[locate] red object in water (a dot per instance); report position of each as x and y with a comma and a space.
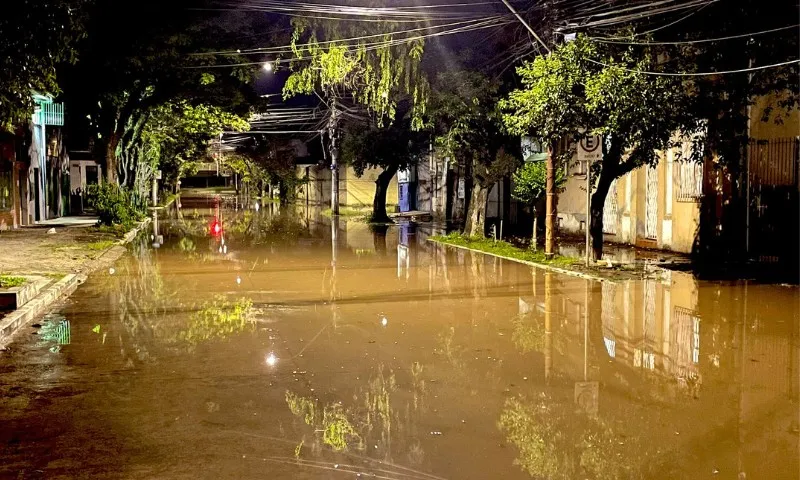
216, 228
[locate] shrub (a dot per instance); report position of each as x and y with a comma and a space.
115, 205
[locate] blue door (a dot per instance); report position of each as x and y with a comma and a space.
404, 197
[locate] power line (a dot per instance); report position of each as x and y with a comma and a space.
695, 12
704, 40
266, 132
489, 23
288, 48
695, 74
526, 25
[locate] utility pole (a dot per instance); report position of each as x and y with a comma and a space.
527, 26
550, 205
333, 134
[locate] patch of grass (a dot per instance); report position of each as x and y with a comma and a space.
118, 231
8, 281
504, 249
100, 245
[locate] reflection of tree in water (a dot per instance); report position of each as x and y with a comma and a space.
555, 441
218, 318
147, 308
284, 229
375, 422
528, 334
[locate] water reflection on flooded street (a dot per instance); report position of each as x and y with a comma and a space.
285, 345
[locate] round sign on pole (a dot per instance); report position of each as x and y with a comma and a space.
589, 148
590, 144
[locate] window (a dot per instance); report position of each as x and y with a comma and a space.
689, 177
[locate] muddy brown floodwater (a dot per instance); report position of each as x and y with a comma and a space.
290, 347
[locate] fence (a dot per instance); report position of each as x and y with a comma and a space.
773, 162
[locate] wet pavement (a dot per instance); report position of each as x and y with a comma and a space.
287, 346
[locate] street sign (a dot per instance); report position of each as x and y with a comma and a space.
590, 148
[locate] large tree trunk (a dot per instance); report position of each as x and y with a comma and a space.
597, 205
111, 158
379, 202
476, 214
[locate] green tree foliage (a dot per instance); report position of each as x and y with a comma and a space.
468, 127
35, 37
369, 63
177, 134
637, 114
364, 61
530, 182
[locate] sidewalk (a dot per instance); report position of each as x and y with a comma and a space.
31, 250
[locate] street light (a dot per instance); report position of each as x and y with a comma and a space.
267, 66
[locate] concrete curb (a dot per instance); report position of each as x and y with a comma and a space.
532, 264
39, 305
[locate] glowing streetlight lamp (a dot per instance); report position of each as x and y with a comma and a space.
267, 66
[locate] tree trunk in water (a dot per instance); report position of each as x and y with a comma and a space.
111, 159
597, 205
379, 202
476, 215
379, 238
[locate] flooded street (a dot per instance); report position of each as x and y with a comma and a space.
284, 346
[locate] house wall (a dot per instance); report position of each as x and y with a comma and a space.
357, 191
780, 124
677, 218
353, 191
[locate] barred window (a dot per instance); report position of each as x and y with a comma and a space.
689, 175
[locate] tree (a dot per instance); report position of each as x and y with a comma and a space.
637, 114
175, 135
35, 37
269, 160
755, 35
468, 127
154, 58
366, 62
390, 148
530, 186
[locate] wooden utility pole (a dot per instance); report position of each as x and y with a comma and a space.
549, 224
333, 133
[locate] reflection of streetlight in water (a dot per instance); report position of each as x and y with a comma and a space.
271, 359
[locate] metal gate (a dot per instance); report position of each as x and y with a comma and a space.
651, 203
610, 210
774, 196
